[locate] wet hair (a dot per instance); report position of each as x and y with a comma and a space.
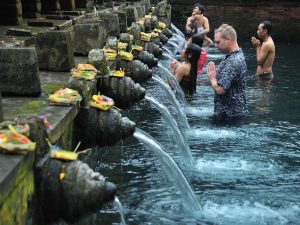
197, 39
267, 26
227, 31
193, 53
201, 7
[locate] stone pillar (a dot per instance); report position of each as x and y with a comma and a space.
163, 12
50, 5
10, 12
19, 72
1, 110
67, 5
131, 15
31, 8
112, 23
84, 3
88, 35
55, 50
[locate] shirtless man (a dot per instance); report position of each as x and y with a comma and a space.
201, 21
265, 50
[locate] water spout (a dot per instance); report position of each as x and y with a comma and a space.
178, 135
172, 170
173, 99
118, 204
168, 51
176, 30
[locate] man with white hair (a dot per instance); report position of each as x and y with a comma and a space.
228, 79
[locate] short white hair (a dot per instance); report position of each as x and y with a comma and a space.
227, 31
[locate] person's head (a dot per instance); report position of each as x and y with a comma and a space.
198, 9
264, 29
225, 38
197, 39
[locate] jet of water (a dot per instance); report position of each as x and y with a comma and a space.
118, 204
172, 99
172, 170
177, 134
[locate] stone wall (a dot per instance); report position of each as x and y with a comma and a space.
245, 16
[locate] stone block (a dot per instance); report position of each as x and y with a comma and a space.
123, 22
131, 14
19, 72
55, 50
67, 4
1, 110
112, 23
87, 37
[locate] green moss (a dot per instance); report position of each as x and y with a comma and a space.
32, 107
52, 87
14, 207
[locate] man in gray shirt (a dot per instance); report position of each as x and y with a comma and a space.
228, 79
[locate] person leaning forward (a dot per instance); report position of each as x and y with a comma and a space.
228, 80
265, 50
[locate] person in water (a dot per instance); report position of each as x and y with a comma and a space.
228, 80
186, 71
201, 22
198, 40
265, 50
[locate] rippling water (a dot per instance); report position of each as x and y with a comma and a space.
243, 175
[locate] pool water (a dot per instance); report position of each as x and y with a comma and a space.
246, 174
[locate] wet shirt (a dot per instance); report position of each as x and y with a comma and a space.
231, 76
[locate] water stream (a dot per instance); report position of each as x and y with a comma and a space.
179, 138
173, 172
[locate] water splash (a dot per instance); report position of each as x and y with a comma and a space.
172, 170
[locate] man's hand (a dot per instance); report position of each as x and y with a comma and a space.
211, 71
255, 42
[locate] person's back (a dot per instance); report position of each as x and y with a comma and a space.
198, 40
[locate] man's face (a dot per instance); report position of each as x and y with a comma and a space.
261, 32
221, 43
196, 11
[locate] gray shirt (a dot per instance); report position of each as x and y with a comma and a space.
231, 76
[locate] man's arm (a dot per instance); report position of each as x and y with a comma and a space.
212, 76
189, 21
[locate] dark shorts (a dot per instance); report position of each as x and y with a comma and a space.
226, 120
265, 75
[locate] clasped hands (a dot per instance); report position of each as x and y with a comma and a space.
255, 42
